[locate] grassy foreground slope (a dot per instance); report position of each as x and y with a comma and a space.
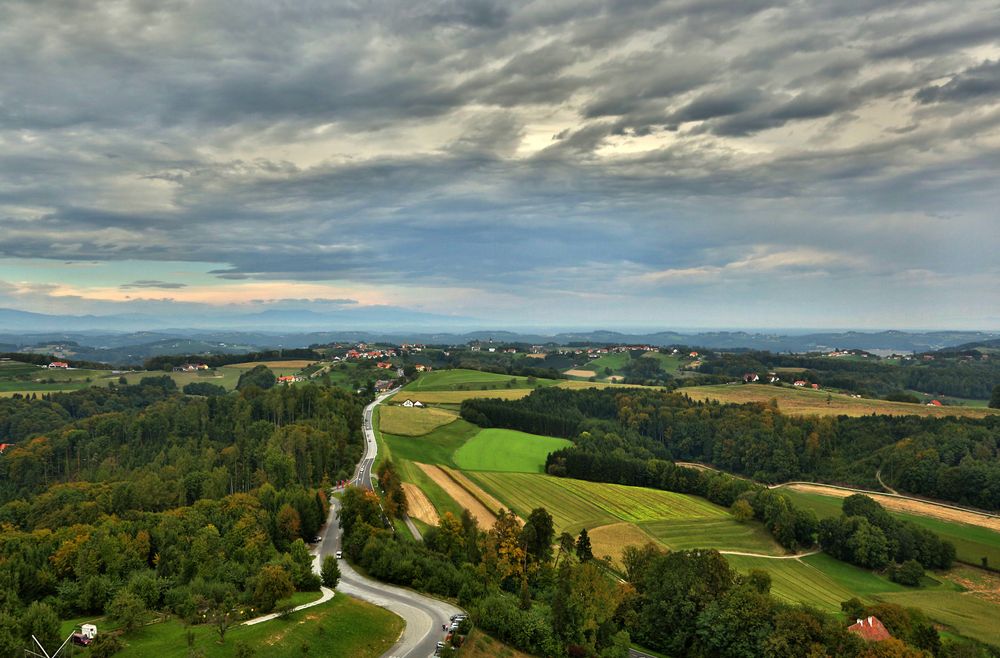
341, 627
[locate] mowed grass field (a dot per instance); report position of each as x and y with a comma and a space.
800, 401
816, 580
723, 532
969, 615
412, 421
972, 543
507, 450
460, 379
576, 504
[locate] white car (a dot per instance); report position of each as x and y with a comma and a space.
339, 554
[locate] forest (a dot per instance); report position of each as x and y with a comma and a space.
137, 500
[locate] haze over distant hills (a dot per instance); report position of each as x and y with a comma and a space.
116, 339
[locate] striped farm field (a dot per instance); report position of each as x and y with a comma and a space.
796, 582
722, 533
576, 504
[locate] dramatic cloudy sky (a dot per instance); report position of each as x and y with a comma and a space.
588, 163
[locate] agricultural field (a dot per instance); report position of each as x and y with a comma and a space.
343, 626
19, 377
796, 582
615, 361
611, 540
972, 542
722, 532
224, 376
824, 403
411, 421
456, 397
577, 504
969, 615
507, 450
470, 380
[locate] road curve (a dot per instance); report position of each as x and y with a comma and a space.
422, 614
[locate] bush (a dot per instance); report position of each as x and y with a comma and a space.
908, 573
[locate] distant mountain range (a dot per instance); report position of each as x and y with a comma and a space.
88, 338
360, 318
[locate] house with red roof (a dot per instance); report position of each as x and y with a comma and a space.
4, 446
59, 364
870, 630
935, 403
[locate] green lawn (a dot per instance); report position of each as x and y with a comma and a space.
507, 450
341, 627
972, 543
438, 447
720, 533
460, 379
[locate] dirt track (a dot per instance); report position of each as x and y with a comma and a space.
419, 507
460, 495
909, 506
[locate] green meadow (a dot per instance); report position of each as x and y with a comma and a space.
507, 450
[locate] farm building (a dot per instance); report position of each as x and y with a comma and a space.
59, 364
870, 630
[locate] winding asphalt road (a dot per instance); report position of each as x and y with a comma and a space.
423, 615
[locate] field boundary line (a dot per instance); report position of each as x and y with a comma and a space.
958, 508
772, 557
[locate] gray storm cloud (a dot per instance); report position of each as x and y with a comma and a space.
541, 150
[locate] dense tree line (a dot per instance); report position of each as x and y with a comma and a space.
168, 362
955, 459
959, 375
866, 535
135, 499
